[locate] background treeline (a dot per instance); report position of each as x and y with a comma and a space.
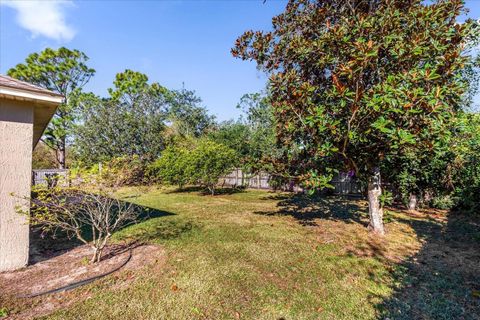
144, 133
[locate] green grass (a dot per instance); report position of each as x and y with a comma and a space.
242, 256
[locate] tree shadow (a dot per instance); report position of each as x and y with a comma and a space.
306, 209
159, 231
226, 191
44, 246
204, 191
441, 281
187, 189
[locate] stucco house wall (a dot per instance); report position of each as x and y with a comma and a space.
16, 135
25, 111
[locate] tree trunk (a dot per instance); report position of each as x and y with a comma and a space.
61, 154
375, 209
99, 255
95, 255
412, 202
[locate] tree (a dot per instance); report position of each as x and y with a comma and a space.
64, 71
188, 118
422, 176
470, 73
252, 136
130, 122
235, 135
43, 157
354, 81
259, 117
465, 168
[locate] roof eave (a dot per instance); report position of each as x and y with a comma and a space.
41, 98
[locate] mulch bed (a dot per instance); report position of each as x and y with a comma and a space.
67, 268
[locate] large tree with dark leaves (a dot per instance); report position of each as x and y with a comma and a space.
355, 80
64, 71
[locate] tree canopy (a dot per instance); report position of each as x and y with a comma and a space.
64, 71
355, 81
130, 122
188, 117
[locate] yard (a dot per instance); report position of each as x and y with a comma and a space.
264, 255
375, 99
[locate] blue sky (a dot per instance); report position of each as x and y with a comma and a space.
173, 42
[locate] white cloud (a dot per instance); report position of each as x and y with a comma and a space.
43, 18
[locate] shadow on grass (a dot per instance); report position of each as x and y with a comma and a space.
45, 246
442, 281
306, 209
157, 230
204, 191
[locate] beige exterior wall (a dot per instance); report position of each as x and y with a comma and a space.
16, 135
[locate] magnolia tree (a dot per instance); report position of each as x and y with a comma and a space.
355, 81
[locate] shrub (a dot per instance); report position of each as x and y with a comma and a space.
92, 218
120, 171
466, 167
203, 165
171, 168
208, 162
124, 171
443, 202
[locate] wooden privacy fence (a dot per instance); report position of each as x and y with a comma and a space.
343, 183
50, 177
346, 184
238, 178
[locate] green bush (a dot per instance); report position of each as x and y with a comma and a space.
444, 202
208, 162
203, 164
119, 171
466, 166
172, 167
467, 198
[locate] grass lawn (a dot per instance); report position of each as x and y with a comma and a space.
263, 255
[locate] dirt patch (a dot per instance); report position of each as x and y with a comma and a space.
66, 269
